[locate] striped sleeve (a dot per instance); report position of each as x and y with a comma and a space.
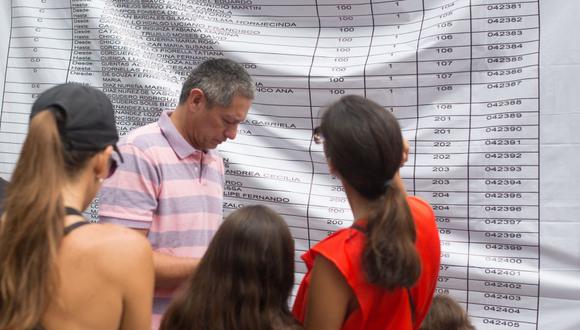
129, 197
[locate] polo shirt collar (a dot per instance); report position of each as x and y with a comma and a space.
177, 142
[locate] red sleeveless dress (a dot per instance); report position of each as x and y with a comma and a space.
379, 308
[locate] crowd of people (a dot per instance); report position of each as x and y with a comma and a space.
161, 255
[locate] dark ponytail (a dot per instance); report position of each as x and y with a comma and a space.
363, 142
390, 259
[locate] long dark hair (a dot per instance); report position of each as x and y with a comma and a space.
365, 145
244, 279
32, 225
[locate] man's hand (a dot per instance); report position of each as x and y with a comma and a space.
170, 271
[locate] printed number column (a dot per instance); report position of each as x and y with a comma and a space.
443, 132
337, 70
504, 176
391, 70
38, 58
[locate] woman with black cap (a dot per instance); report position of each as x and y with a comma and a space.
381, 272
57, 270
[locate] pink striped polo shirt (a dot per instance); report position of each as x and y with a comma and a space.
169, 187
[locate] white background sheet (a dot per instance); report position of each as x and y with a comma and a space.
485, 91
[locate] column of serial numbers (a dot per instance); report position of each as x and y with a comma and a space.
504, 160
444, 102
38, 58
339, 65
391, 71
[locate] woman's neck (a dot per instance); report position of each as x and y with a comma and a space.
76, 193
360, 206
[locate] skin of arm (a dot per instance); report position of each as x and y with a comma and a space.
329, 297
170, 271
134, 270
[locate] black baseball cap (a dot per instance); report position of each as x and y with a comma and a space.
89, 118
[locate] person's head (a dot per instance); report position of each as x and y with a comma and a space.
244, 279
364, 148
446, 314
216, 97
70, 139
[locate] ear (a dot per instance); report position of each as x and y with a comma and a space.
196, 100
101, 162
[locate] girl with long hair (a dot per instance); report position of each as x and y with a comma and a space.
57, 270
382, 271
243, 281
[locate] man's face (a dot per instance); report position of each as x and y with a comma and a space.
217, 124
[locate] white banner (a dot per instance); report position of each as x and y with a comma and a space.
484, 91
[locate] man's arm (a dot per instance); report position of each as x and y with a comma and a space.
170, 271
130, 198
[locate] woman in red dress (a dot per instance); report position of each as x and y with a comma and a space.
381, 272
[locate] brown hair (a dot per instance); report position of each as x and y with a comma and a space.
365, 145
243, 281
33, 222
446, 314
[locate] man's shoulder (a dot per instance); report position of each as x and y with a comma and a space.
144, 137
141, 132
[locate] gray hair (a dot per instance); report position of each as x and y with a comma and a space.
220, 80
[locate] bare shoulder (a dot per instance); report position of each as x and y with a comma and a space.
112, 248
109, 237
124, 236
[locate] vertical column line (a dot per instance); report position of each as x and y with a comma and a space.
369, 52
468, 215
539, 164
418, 103
312, 124
6, 68
72, 38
